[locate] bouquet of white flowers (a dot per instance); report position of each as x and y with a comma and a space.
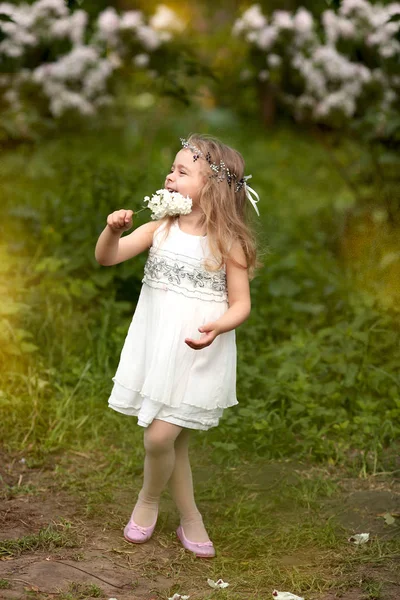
164, 203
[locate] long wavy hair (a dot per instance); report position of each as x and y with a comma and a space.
225, 212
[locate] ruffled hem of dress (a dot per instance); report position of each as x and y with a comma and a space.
134, 412
166, 404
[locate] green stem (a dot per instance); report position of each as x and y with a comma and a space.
136, 212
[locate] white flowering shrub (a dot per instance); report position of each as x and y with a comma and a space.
53, 61
329, 71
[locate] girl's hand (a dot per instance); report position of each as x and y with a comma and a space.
211, 330
120, 220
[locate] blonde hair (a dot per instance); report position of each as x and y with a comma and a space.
225, 212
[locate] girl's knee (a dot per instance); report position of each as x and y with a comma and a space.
160, 436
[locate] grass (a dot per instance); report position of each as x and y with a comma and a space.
12, 491
79, 591
58, 535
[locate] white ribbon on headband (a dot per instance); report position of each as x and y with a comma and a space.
250, 192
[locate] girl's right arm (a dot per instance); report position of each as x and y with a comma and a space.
111, 249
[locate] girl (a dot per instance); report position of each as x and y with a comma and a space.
177, 369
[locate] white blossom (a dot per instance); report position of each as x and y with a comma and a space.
282, 19
141, 60
340, 100
11, 97
149, 37
273, 60
164, 203
108, 23
336, 26
358, 7
72, 26
251, 36
74, 64
60, 28
67, 99
335, 65
166, 19
303, 20
217, 584
79, 20
390, 49
10, 49
266, 37
17, 32
359, 538
165, 36
44, 8
95, 81
285, 596
252, 18
131, 19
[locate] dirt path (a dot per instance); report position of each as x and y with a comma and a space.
61, 552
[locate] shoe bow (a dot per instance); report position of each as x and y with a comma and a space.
143, 530
204, 543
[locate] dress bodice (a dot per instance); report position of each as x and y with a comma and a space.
176, 264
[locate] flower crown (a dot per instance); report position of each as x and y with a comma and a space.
222, 172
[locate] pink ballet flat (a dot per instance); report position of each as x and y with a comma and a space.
136, 533
201, 549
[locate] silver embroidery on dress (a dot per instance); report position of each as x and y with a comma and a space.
166, 269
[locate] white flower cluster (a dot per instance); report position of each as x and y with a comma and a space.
32, 24
256, 29
334, 85
80, 77
165, 203
82, 68
110, 26
358, 19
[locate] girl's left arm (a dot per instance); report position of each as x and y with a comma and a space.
237, 280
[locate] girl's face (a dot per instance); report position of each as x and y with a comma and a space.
186, 176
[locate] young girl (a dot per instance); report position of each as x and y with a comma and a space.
177, 369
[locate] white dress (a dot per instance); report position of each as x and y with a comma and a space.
159, 376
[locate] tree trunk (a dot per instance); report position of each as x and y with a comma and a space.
267, 99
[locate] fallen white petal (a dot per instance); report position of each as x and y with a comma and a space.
179, 597
285, 596
359, 538
217, 584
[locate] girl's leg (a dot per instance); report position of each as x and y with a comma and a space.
159, 438
181, 488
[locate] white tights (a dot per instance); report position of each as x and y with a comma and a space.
167, 462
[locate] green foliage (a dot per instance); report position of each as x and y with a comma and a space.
4, 584
317, 361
